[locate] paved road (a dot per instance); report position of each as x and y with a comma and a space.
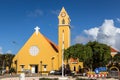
37, 78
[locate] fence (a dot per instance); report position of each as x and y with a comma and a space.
114, 74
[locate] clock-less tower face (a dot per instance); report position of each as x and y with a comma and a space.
34, 50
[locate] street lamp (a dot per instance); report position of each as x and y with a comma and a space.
41, 67
52, 62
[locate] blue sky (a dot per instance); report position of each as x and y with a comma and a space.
18, 18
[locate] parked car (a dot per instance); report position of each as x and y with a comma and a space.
55, 72
3, 71
52, 72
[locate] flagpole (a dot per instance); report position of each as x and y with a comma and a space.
63, 53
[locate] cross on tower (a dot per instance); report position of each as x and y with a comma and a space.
36, 30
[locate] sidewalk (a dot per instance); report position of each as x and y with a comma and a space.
37, 78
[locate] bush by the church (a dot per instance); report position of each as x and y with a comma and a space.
48, 79
84, 79
12, 70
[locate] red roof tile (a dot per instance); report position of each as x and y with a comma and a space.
55, 47
72, 60
113, 50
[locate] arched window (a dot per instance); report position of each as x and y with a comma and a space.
74, 68
63, 21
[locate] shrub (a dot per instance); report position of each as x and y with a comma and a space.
12, 70
48, 79
84, 79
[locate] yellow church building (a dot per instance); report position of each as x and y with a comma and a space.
41, 54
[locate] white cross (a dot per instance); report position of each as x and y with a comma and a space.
37, 29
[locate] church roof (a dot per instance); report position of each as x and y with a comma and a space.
54, 46
73, 60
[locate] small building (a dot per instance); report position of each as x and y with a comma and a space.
113, 51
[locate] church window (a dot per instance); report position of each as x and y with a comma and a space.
74, 68
45, 67
63, 21
22, 67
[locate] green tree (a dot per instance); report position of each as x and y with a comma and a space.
100, 54
92, 54
6, 60
116, 58
74, 51
1, 61
87, 57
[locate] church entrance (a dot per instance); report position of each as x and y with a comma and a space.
34, 68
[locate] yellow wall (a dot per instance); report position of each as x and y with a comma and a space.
66, 40
46, 52
63, 33
76, 65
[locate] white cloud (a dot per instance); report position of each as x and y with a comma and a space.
35, 13
106, 33
56, 12
81, 39
92, 32
1, 50
118, 19
9, 51
71, 26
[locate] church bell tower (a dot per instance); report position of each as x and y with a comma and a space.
63, 33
